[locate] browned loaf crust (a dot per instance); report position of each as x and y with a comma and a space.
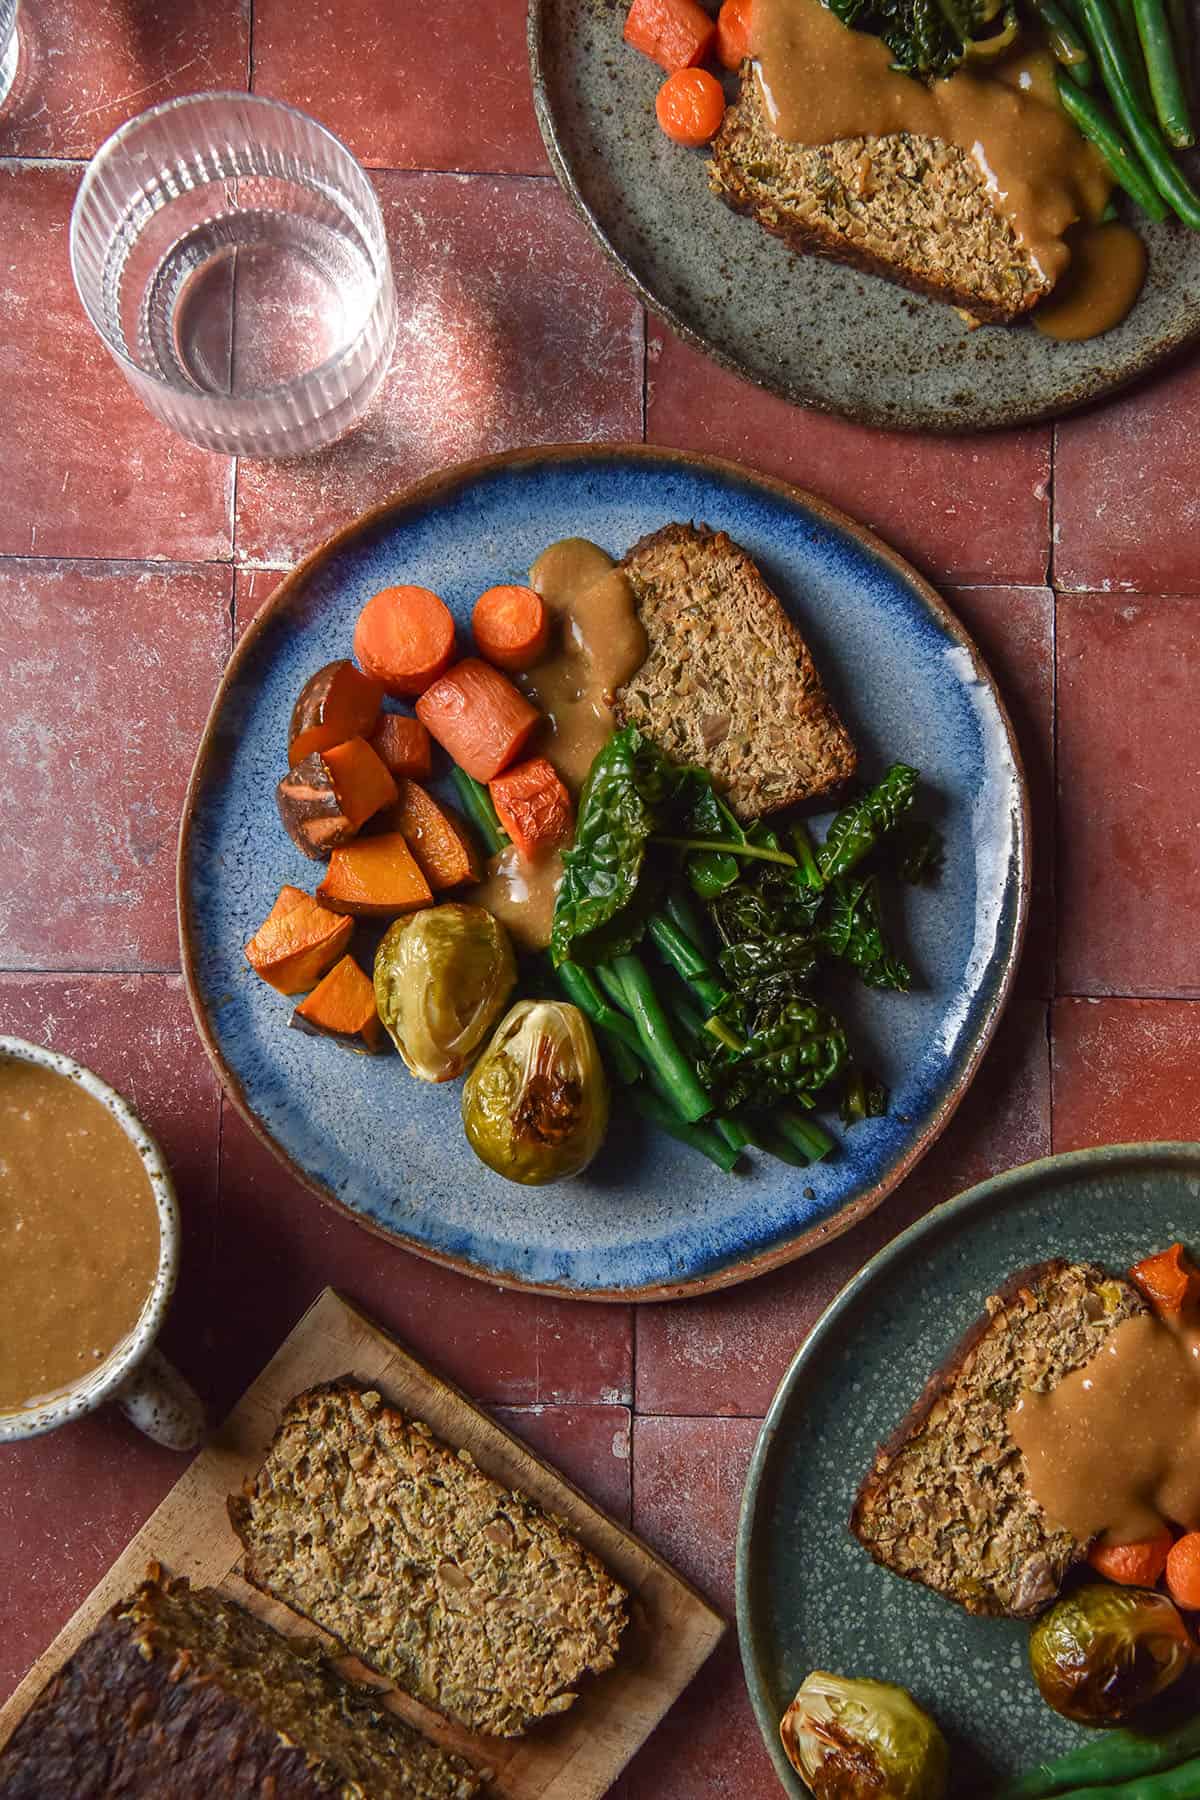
728, 683
946, 1502
179, 1694
913, 209
464, 1593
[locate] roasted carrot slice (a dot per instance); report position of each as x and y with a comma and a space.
533, 806
297, 942
374, 877
733, 33
690, 106
1133, 1565
478, 717
402, 745
437, 838
511, 626
404, 638
342, 1007
675, 33
336, 703
1170, 1281
1183, 1572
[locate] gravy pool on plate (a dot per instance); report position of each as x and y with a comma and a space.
79, 1236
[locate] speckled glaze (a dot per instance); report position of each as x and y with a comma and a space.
163, 1422
649, 1218
810, 330
808, 1596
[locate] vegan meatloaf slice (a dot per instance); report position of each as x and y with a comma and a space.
946, 1501
466, 1594
728, 683
179, 1694
913, 209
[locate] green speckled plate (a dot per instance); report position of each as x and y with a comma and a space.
813, 331
807, 1596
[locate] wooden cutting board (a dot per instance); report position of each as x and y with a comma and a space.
575, 1757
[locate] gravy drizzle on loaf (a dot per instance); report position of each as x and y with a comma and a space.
823, 83
947, 1502
466, 1594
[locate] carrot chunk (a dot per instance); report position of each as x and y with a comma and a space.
1133, 1565
511, 626
404, 638
478, 717
690, 106
342, 1007
297, 942
733, 33
676, 34
402, 745
437, 838
533, 806
374, 877
1183, 1572
1170, 1281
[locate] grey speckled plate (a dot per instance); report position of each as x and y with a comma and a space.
807, 1596
812, 331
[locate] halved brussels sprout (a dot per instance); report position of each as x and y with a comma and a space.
535, 1106
442, 976
1104, 1651
863, 1740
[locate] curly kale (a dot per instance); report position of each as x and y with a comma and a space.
852, 929
925, 37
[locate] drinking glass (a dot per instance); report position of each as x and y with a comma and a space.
9, 47
231, 253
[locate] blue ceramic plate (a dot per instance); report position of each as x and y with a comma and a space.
649, 1219
808, 1597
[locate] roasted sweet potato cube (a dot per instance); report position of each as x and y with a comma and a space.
375, 877
297, 942
336, 703
437, 837
342, 1007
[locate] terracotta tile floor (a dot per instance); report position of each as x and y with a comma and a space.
128, 562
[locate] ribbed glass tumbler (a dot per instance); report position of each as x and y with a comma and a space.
231, 253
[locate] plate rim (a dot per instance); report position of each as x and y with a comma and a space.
424, 491
996, 1189
1094, 390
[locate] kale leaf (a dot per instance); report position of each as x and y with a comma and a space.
858, 827
852, 929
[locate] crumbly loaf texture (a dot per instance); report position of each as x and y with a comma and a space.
467, 1595
946, 1502
179, 1694
729, 683
913, 209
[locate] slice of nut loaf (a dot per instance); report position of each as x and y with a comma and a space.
179, 1694
467, 1595
913, 209
728, 683
946, 1502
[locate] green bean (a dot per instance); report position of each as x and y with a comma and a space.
477, 804
1096, 125
1135, 68
732, 1130
684, 957
1117, 1756
655, 1032
1180, 1783
625, 1047
1065, 41
1143, 134
653, 1107
1166, 84
803, 1133
685, 916
613, 986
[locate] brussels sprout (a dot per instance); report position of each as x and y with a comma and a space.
863, 1740
535, 1105
1104, 1651
441, 979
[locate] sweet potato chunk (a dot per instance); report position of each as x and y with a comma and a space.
375, 877
297, 942
437, 838
336, 703
343, 1008
403, 745
326, 798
